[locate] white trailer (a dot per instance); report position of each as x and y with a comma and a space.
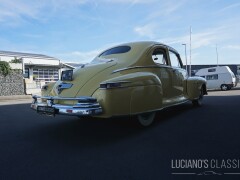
219, 77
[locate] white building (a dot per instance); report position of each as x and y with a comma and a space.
37, 69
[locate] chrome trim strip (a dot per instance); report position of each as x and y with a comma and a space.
135, 67
112, 82
82, 98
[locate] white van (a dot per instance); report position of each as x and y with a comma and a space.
220, 77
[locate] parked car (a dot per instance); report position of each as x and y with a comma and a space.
136, 78
219, 77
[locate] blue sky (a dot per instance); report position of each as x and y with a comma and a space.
77, 30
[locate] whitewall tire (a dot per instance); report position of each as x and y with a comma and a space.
146, 119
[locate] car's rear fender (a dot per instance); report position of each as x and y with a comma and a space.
133, 93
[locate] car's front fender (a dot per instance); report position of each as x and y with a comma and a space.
194, 85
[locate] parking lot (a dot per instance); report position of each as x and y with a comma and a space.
41, 147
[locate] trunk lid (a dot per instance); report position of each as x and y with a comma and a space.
81, 77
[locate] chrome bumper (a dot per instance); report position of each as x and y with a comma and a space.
85, 106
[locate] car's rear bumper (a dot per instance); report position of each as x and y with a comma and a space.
85, 106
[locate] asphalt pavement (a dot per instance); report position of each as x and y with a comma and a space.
34, 146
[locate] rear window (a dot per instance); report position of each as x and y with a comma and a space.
116, 50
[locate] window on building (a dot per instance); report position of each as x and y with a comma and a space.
46, 75
238, 70
212, 77
26, 73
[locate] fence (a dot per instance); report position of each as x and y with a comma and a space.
12, 84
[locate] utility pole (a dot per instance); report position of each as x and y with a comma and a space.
185, 55
217, 54
190, 67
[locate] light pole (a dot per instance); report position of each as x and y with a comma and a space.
190, 49
217, 54
185, 55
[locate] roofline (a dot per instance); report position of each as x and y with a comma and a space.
43, 65
26, 55
151, 43
65, 64
167, 46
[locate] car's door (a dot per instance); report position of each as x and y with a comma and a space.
178, 75
163, 70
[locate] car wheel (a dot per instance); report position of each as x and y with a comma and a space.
198, 102
224, 87
146, 119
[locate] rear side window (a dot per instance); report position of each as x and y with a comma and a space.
159, 56
212, 77
116, 50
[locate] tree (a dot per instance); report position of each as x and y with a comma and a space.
5, 68
16, 60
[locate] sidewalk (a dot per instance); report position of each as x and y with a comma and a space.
15, 99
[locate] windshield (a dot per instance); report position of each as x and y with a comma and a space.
232, 74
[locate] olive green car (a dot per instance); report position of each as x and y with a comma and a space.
136, 78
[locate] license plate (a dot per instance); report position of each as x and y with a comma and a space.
46, 109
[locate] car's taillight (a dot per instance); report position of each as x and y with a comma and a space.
111, 85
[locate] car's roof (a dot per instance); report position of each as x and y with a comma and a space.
148, 44
136, 54
141, 46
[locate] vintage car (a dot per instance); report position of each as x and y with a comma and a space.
136, 78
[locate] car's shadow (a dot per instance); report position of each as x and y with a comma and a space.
92, 132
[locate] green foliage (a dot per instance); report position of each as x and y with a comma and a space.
5, 68
16, 60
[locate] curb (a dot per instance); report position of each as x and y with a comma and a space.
14, 97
